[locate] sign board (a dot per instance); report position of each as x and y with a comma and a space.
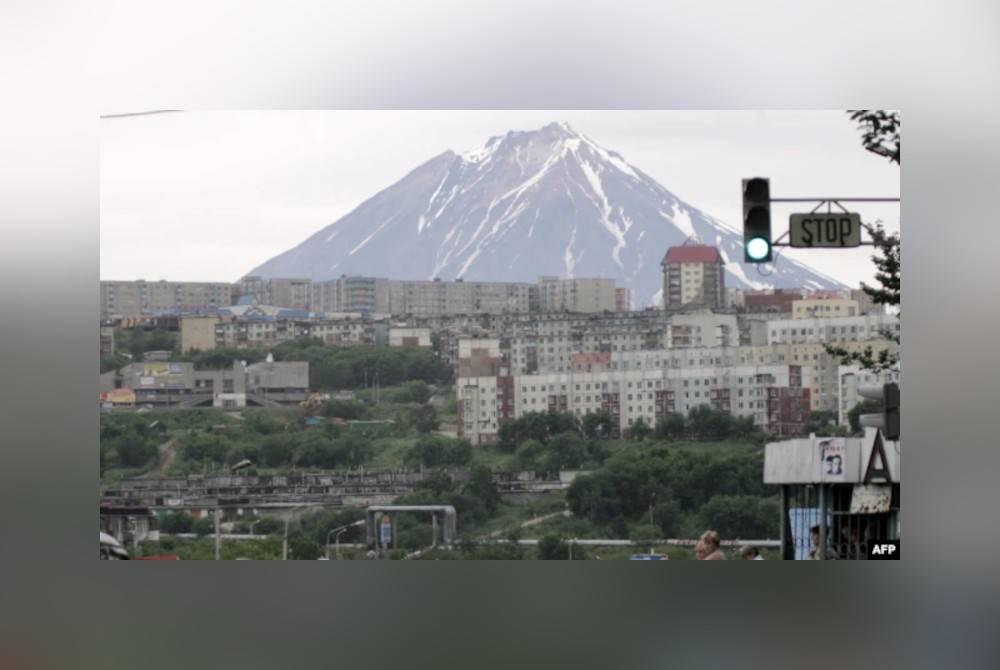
871, 499
825, 230
833, 454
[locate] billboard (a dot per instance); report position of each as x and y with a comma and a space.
119, 397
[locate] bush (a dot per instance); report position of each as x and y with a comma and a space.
203, 527
742, 517
176, 522
436, 450
552, 548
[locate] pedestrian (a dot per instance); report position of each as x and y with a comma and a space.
709, 547
750, 553
814, 553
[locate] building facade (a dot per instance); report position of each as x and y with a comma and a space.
775, 396
693, 276
123, 299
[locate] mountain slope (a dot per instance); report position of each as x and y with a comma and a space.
544, 202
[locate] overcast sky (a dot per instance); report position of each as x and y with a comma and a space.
209, 195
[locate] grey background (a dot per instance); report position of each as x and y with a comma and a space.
937, 63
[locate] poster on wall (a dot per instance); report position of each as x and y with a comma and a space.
833, 452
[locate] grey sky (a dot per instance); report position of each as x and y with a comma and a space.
209, 195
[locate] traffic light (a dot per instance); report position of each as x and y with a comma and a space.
757, 220
888, 420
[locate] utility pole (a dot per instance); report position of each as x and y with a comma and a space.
218, 533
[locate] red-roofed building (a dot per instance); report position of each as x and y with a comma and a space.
693, 276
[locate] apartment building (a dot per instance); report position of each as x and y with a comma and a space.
585, 296
280, 292
834, 329
770, 301
775, 396
107, 341
412, 338
368, 295
430, 298
623, 299
693, 276
811, 308
124, 299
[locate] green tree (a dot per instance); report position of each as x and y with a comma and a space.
640, 430
742, 517
671, 427
600, 424
880, 135
204, 526
552, 548
482, 487
176, 522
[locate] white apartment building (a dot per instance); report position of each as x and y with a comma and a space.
410, 337
828, 330
749, 390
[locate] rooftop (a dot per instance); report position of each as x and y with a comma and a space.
692, 254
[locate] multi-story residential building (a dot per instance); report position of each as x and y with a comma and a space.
735, 298
124, 299
479, 357
703, 329
265, 325
432, 298
865, 302
623, 299
776, 396
412, 338
368, 295
809, 308
693, 276
585, 296
827, 330
280, 292
771, 301
107, 341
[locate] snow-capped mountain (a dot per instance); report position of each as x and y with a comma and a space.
527, 204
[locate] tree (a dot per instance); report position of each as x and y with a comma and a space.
671, 427
742, 517
176, 522
203, 527
881, 137
552, 548
880, 131
640, 430
482, 487
598, 424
